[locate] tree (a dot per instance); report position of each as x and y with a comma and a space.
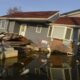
13, 10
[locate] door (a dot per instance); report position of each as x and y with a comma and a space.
22, 30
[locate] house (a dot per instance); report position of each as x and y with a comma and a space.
74, 13
65, 34
43, 28
36, 26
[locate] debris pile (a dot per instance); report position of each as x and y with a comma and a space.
20, 44
14, 39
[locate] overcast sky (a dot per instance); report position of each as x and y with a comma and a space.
39, 5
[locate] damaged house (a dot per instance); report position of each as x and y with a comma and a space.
36, 26
43, 28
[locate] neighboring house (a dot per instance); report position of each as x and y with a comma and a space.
74, 13
64, 33
33, 25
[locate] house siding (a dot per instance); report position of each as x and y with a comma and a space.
58, 31
31, 32
37, 37
11, 26
16, 28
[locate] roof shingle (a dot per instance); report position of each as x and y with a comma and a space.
68, 20
40, 14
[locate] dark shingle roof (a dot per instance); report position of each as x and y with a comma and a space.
40, 14
68, 20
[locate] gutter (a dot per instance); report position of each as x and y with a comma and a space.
23, 18
73, 26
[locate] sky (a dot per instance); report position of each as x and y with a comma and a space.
39, 5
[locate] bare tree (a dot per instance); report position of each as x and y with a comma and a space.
13, 10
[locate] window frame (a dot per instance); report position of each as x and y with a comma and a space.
2, 24
70, 39
58, 26
38, 28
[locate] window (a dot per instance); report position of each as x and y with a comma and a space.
68, 33
23, 29
2, 24
49, 31
58, 32
38, 29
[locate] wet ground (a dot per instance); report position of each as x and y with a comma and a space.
12, 68
26, 77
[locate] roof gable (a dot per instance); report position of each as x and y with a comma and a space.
74, 13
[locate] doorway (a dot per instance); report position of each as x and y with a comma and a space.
23, 29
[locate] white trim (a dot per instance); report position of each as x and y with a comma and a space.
24, 18
52, 32
64, 33
38, 29
49, 30
70, 34
23, 32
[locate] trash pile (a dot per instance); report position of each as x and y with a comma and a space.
27, 52
19, 46
7, 43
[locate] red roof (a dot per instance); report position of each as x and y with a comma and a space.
68, 20
40, 14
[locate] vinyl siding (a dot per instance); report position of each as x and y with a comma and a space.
37, 37
32, 34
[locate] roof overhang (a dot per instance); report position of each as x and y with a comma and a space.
27, 19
